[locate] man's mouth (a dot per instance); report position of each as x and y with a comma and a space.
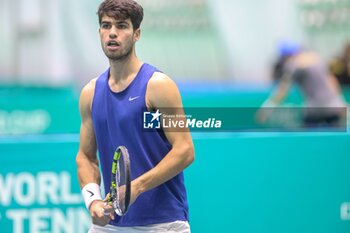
113, 44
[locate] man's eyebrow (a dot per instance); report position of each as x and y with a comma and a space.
117, 22
122, 21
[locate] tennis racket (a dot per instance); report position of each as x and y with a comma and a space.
120, 187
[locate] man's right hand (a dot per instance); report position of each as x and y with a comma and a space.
101, 213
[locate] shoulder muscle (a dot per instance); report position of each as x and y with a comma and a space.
162, 92
86, 96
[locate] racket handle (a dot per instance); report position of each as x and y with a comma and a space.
108, 212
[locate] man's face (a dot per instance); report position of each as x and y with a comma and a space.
117, 37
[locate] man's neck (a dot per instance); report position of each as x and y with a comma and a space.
123, 69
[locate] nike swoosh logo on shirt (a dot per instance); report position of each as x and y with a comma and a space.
90, 192
133, 98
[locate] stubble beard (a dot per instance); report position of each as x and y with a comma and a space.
120, 56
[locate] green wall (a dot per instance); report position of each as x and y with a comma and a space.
277, 182
239, 182
38, 110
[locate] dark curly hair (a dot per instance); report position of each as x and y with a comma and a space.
122, 9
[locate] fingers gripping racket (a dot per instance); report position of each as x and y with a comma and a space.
120, 182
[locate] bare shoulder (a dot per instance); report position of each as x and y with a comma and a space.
87, 94
159, 79
90, 86
162, 91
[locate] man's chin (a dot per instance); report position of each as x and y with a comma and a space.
118, 57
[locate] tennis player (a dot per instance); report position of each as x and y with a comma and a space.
324, 103
110, 107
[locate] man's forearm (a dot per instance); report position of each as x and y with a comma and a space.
171, 165
88, 170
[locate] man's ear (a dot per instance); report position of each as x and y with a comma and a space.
137, 34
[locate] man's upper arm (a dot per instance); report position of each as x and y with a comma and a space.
87, 135
163, 94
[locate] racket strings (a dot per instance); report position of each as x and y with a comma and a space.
120, 188
118, 199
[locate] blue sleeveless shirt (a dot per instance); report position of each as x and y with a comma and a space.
118, 120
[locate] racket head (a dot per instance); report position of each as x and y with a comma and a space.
120, 189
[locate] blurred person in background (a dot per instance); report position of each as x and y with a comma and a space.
324, 103
340, 66
111, 108
277, 71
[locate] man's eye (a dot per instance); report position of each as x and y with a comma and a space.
105, 26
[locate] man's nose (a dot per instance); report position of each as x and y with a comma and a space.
113, 32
